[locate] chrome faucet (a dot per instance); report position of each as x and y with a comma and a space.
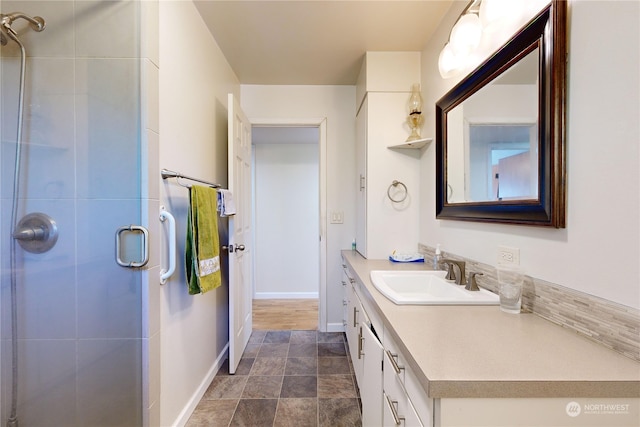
472, 285
460, 279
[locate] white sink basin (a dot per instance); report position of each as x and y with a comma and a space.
425, 287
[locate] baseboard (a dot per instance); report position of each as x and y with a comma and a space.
184, 415
286, 295
335, 327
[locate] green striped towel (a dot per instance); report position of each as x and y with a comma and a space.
202, 251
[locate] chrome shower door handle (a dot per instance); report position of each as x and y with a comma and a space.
145, 245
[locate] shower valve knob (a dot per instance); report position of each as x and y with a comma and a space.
30, 234
36, 232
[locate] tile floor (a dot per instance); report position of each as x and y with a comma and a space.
285, 378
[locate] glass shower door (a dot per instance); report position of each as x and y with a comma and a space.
78, 313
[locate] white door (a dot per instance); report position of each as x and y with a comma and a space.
240, 296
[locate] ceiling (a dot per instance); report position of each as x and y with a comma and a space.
305, 42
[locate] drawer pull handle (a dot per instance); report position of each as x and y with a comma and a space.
360, 341
393, 358
355, 317
392, 405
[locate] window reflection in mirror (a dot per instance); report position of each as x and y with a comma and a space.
492, 149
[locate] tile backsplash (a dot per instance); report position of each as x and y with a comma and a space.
610, 324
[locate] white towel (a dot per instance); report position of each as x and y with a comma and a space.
226, 205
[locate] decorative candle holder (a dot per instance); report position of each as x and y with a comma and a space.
415, 119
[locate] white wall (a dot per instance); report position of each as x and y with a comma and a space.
337, 105
598, 252
286, 220
194, 81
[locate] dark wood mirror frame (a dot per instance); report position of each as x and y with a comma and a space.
547, 31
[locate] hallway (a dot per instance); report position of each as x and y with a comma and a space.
285, 378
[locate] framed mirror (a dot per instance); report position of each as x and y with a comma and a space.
500, 153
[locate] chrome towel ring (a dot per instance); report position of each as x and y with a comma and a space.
397, 199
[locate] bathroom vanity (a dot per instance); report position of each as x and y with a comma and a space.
435, 365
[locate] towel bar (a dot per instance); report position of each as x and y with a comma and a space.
166, 173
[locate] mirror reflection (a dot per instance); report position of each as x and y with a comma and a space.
492, 138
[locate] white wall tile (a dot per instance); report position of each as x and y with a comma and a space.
150, 96
108, 128
109, 296
150, 31
48, 383
105, 369
107, 29
150, 167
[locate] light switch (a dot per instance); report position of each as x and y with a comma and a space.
337, 217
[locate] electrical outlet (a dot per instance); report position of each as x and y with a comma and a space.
507, 255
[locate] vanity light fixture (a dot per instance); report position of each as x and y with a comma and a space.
483, 27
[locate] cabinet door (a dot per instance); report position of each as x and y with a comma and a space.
371, 390
361, 170
354, 314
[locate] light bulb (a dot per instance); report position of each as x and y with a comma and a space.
465, 35
497, 14
447, 62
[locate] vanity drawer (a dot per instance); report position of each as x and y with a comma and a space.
398, 376
346, 286
398, 411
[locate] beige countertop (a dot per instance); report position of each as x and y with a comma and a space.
479, 351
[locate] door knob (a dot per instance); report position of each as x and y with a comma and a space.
231, 248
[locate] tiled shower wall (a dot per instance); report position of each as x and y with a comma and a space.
610, 324
88, 336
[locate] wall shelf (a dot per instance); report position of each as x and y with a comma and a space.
417, 144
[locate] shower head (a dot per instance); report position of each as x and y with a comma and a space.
6, 32
35, 22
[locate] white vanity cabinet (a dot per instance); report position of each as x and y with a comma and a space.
354, 321
363, 330
346, 291
563, 373
389, 390
406, 403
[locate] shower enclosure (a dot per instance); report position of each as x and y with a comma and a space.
77, 314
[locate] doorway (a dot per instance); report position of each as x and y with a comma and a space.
288, 205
